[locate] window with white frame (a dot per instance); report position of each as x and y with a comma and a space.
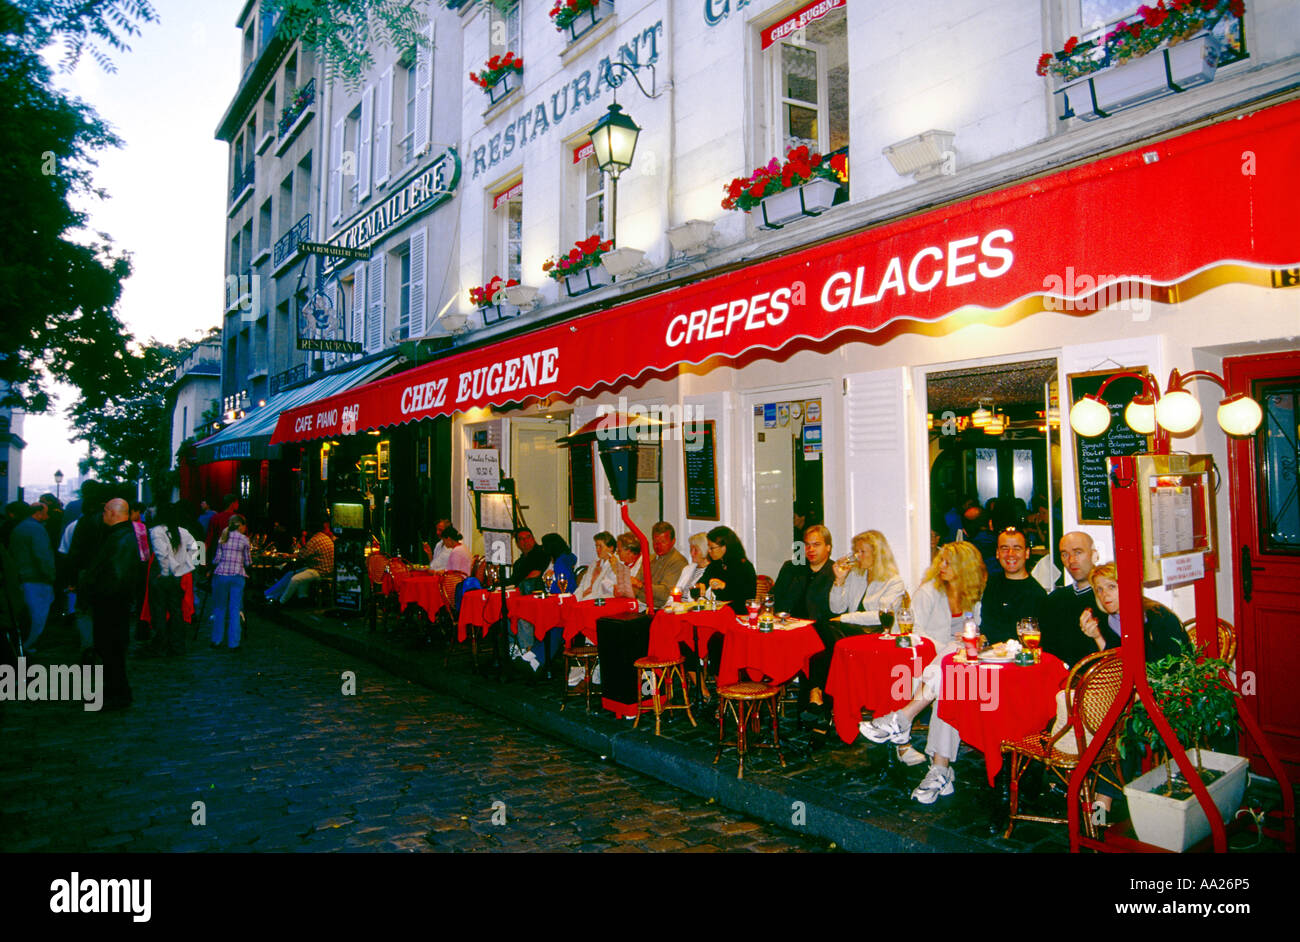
589, 192
807, 57
1094, 20
410, 98
404, 293
503, 31
505, 227
351, 145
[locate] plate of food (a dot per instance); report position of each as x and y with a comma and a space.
1000, 653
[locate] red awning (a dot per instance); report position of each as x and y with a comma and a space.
1220, 195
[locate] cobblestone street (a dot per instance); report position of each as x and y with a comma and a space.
283, 760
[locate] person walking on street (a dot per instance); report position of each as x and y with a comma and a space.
171, 562
109, 583
234, 555
34, 559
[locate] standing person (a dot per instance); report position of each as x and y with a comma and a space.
76, 507
141, 531
234, 555
171, 563
206, 513
950, 588
217, 523
33, 558
1010, 594
109, 584
1058, 614
730, 575
83, 546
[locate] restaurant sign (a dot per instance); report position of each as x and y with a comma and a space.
997, 254
431, 187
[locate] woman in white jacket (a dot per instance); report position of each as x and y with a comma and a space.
951, 587
871, 582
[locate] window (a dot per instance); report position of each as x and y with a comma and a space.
410, 96
503, 31
269, 116
589, 191
508, 230
264, 217
351, 144
809, 80
1095, 19
404, 293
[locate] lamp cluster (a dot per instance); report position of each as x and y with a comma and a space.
1176, 412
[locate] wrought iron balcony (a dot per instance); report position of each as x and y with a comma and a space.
286, 247
243, 181
302, 99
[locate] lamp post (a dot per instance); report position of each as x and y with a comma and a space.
613, 139
58, 485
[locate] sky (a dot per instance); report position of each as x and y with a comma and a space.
166, 186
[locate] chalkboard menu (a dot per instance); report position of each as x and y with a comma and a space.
1090, 454
699, 457
582, 483
350, 578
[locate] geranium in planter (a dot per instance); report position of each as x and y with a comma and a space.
1200, 705
805, 185
580, 269
487, 298
577, 17
499, 76
1168, 49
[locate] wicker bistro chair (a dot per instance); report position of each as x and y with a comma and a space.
1227, 638
445, 620
587, 656
376, 566
1090, 689
660, 673
744, 701
762, 586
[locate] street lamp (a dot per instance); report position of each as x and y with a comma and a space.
613, 139
58, 484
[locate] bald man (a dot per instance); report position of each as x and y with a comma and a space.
1059, 613
111, 583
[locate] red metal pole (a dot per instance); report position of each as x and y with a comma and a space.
645, 558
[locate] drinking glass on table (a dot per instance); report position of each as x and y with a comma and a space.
752, 607
1030, 635
905, 618
887, 621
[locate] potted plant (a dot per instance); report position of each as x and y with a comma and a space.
578, 17
487, 299
1200, 705
805, 185
299, 102
580, 267
1169, 49
499, 76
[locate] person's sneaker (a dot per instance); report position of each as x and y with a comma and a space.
938, 781
910, 756
576, 675
531, 659
886, 729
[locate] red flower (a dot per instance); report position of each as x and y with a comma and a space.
575, 255
735, 188
757, 189
1237, 8
548, 265
1043, 61
1135, 29
840, 164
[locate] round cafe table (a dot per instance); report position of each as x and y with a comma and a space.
419, 587
543, 613
872, 672
778, 654
671, 628
579, 618
989, 703
480, 608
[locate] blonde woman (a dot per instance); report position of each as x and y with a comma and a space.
951, 587
868, 581
233, 557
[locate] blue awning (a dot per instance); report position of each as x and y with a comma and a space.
250, 436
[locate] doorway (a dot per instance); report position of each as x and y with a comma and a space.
788, 476
541, 473
1262, 474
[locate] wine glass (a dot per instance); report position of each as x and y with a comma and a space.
905, 618
564, 583
1030, 635
887, 621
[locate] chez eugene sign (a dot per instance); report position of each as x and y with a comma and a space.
985, 253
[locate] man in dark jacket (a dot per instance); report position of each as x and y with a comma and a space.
30, 546
111, 583
804, 591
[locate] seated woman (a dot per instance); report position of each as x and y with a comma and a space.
599, 579
951, 587
870, 583
693, 572
456, 558
627, 565
729, 575
1163, 630
559, 575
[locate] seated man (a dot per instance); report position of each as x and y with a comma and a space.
666, 566
1058, 614
532, 561
1010, 595
804, 590
316, 562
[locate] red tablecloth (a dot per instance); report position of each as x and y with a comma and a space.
778, 654
869, 671
420, 587
669, 628
481, 607
543, 613
580, 617
989, 703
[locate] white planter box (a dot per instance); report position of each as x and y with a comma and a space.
811, 199
586, 21
506, 84
1162, 72
1177, 825
589, 279
621, 261
521, 296
690, 236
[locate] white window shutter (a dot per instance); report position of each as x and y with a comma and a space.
336, 172
375, 304
332, 293
877, 460
357, 322
423, 91
384, 126
363, 145
419, 247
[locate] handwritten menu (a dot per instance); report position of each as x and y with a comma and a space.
1091, 454
350, 578
582, 484
699, 458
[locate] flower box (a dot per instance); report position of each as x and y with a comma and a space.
1177, 824
690, 236
621, 261
1162, 72
588, 279
522, 296
503, 86
811, 199
495, 313
576, 25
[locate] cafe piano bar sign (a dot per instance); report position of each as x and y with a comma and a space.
431, 187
